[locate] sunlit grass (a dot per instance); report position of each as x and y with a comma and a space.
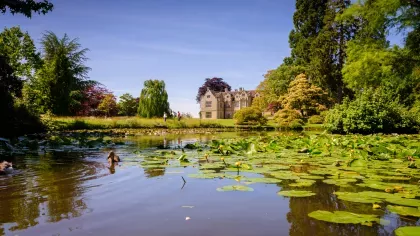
74, 123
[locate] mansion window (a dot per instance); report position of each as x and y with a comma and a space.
208, 103
208, 114
237, 104
208, 96
227, 105
243, 103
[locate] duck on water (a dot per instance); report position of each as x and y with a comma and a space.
6, 167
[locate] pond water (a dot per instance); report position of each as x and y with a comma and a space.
56, 192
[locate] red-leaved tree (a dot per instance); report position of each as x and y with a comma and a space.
215, 84
92, 97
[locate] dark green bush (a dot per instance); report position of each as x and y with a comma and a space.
316, 119
249, 115
373, 111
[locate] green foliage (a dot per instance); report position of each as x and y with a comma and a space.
304, 97
153, 99
316, 119
58, 85
20, 49
344, 217
289, 118
308, 21
127, 105
108, 105
408, 231
249, 115
372, 111
26, 7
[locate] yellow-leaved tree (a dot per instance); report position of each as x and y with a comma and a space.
303, 99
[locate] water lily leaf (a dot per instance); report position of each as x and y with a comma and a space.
339, 182
212, 166
311, 177
205, 175
303, 183
235, 188
363, 197
296, 193
285, 175
263, 180
344, 217
404, 211
404, 201
357, 163
408, 231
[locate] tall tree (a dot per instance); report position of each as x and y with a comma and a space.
308, 21
328, 50
153, 100
215, 84
20, 49
58, 85
127, 105
25, 7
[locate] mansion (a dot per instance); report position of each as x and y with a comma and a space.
222, 105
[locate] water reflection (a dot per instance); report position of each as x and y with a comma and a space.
45, 188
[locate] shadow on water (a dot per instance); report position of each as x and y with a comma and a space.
75, 193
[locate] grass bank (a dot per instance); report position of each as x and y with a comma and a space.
102, 123
90, 123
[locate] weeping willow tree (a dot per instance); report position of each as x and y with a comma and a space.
153, 99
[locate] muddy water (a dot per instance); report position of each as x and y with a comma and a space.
75, 193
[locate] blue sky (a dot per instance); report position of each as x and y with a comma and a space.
179, 41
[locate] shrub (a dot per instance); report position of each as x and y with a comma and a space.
373, 111
286, 116
316, 119
249, 115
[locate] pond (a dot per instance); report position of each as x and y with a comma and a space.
216, 184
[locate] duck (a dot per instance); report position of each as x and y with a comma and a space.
6, 167
113, 158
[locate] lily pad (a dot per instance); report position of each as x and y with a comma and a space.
408, 231
311, 177
363, 197
339, 182
235, 188
404, 201
303, 183
205, 175
344, 217
404, 211
263, 180
296, 193
285, 175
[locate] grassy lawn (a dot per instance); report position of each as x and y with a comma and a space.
91, 123
77, 123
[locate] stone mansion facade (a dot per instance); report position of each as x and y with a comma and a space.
222, 105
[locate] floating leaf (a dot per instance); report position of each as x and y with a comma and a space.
303, 183
235, 188
363, 197
404, 211
263, 180
311, 177
408, 231
296, 193
344, 217
404, 201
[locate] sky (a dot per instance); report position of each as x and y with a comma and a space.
179, 41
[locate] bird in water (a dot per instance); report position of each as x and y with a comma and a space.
6, 167
113, 158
